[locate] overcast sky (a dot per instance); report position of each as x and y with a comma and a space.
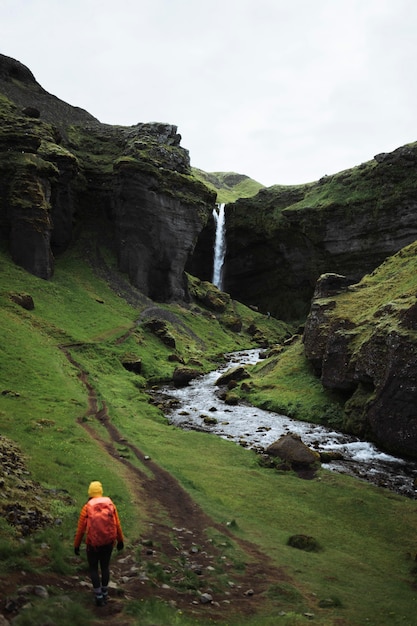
284, 91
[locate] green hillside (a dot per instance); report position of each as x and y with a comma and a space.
70, 412
228, 185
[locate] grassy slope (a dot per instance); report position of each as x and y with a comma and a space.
367, 534
276, 382
228, 186
364, 189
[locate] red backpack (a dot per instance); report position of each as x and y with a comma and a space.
101, 522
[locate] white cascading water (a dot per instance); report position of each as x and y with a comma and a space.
219, 246
257, 428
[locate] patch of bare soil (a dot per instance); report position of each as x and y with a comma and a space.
177, 559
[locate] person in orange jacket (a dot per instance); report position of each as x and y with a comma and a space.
99, 520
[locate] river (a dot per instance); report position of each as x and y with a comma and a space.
257, 429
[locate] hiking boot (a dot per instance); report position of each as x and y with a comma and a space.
99, 600
105, 597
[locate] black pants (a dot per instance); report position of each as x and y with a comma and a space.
99, 557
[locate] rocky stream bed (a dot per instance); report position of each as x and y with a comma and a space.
200, 406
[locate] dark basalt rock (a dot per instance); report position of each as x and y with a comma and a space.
63, 172
24, 300
183, 375
304, 542
233, 374
134, 366
160, 329
372, 364
155, 234
290, 448
280, 241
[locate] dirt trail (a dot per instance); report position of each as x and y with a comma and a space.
174, 543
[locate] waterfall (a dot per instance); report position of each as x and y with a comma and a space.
219, 246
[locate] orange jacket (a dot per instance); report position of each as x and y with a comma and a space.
82, 526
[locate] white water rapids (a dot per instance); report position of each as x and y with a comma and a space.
256, 428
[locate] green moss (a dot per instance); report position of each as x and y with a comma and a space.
228, 186
53, 152
286, 384
365, 188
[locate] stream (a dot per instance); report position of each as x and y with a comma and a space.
257, 429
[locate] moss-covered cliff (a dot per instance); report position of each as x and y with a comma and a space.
354, 368
281, 240
63, 173
362, 342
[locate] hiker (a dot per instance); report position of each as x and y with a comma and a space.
99, 518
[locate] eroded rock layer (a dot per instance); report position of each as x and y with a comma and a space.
63, 173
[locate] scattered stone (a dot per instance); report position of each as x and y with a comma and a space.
329, 456
26, 503
11, 605
304, 542
147, 542
329, 603
174, 358
183, 375
36, 590
24, 300
160, 329
231, 399
9, 392
235, 373
210, 421
206, 598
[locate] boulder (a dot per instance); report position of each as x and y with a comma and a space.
232, 374
24, 300
304, 542
183, 375
331, 284
290, 448
160, 329
134, 366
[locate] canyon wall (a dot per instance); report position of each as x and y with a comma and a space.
63, 173
280, 241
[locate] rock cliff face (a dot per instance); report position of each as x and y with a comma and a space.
155, 232
63, 173
361, 341
281, 240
